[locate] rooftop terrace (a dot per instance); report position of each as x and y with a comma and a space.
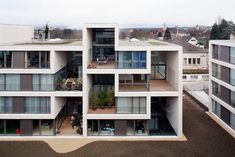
137, 42
72, 42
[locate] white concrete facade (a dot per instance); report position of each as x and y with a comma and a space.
58, 98
15, 33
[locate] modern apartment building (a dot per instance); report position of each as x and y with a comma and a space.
98, 87
222, 83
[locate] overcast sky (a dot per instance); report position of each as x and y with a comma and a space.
125, 12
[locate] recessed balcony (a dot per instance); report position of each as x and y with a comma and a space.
160, 85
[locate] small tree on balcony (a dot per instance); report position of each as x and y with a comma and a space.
95, 100
110, 97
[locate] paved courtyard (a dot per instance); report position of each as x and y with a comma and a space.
205, 139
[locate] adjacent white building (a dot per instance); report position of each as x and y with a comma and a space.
222, 90
98, 87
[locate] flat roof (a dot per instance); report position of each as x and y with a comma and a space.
62, 42
150, 42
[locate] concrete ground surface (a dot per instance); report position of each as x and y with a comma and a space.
205, 138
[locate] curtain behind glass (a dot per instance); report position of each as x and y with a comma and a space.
2, 82
32, 105
36, 82
2, 103
8, 104
45, 105
47, 82
142, 105
232, 120
13, 82
124, 105
136, 106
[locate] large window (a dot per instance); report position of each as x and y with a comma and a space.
2, 127
232, 55
100, 127
93, 127
158, 65
216, 70
232, 120
38, 59
37, 105
47, 127
107, 127
131, 60
6, 105
232, 99
136, 105
216, 108
13, 127
5, 59
44, 82
10, 82
232, 77
141, 127
215, 51
216, 89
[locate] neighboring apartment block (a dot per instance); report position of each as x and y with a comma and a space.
222, 83
100, 86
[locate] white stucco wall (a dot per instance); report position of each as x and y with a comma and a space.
15, 33
172, 113
172, 71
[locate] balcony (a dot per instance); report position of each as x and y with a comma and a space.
133, 82
116, 110
135, 87
160, 85
109, 64
102, 110
69, 84
120, 105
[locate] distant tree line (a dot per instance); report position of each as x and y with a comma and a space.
65, 33
222, 30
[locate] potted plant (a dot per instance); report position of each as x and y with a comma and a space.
76, 122
79, 83
102, 95
79, 130
110, 97
95, 101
